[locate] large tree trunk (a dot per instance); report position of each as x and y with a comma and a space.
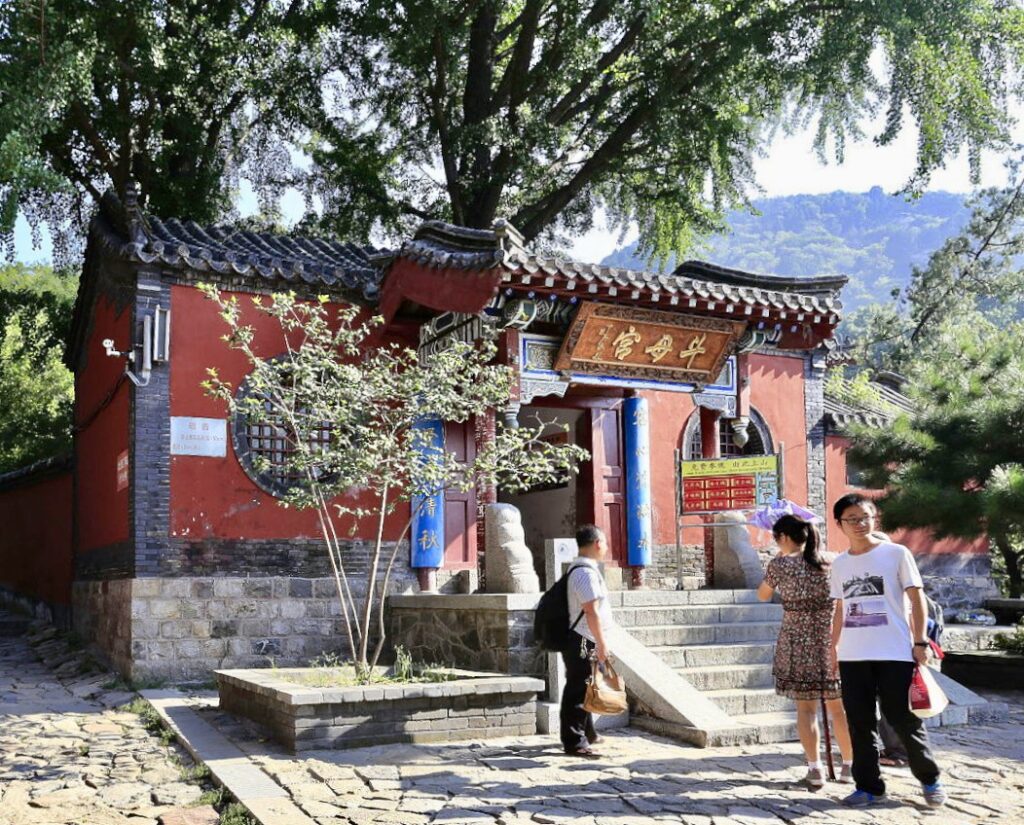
1012, 559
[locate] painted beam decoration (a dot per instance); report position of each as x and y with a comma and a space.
606, 339
716, 485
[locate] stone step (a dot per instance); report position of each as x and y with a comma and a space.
642, 598
722, 677
777, 726
745, 701
716, 654
724, 633
697, 614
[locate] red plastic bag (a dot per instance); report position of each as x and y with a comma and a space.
925, 696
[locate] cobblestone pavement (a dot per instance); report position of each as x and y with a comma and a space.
640, 779
68, 755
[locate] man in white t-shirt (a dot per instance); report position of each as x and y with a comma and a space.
590, 616
879, 634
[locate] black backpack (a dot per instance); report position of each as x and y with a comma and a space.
551, 626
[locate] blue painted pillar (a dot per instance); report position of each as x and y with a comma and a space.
639, 538
427, 532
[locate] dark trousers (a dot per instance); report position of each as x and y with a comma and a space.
577, 725
888, 683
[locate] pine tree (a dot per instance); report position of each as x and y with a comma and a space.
956, 464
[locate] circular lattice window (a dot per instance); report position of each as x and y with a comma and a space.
266, 442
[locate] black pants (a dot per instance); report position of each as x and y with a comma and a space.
577, 725
890, 683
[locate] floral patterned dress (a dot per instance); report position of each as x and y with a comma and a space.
803, 664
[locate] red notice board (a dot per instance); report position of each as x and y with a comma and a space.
715, 485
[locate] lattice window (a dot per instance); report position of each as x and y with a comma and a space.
272, 441
758, 438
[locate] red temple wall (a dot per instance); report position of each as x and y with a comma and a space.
35, 543
777, 393
101, 509
213, 497
920, 541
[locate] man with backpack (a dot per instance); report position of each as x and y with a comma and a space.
588, 617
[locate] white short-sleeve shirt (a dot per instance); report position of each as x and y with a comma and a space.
585, 585
876, 611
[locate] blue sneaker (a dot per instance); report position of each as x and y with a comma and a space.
862, 799
934, 795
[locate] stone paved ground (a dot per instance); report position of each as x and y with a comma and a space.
69, 755
640, 779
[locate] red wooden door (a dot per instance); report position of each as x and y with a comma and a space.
604, 490
460, 507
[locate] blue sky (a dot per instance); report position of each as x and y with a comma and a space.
788, 167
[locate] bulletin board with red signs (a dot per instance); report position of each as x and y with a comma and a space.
717, 485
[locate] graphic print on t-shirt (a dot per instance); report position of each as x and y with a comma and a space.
866, 585
861, 609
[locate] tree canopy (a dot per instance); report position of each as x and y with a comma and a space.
36, 389
956, 464
539, 111
177, 95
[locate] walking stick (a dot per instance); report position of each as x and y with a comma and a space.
828, 741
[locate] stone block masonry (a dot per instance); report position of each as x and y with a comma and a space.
182, 629
477, 706
483, 631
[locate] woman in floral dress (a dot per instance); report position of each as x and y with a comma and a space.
805, 669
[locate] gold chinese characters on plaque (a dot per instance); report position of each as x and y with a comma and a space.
620, 341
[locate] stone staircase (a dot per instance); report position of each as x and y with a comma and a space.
722, 642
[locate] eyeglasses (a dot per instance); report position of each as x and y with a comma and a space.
860, 521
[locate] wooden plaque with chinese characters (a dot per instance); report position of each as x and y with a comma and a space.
622, 341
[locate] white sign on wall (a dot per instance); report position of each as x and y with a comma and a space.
199, 436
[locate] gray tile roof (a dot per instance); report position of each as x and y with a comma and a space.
841, 411
277, 260
360, 270
444, 246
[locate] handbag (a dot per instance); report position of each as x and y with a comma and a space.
926, 698
606, 691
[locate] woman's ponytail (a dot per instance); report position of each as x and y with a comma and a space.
802, 533
812, 548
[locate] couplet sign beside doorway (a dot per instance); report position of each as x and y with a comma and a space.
716, 485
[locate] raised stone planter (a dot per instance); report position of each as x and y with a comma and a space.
473, 706
985, 668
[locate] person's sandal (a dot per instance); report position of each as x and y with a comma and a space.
815, 779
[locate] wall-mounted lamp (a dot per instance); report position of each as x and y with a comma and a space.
155, 347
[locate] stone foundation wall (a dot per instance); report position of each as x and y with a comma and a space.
489, 632
182, 629
102, 615
303, 718
663, 572
957, 580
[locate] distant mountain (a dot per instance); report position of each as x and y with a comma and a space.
872, 237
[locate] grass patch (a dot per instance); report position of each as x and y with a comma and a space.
235, 814
83, 749
198, 773
151, 720
330, 670
213, 797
